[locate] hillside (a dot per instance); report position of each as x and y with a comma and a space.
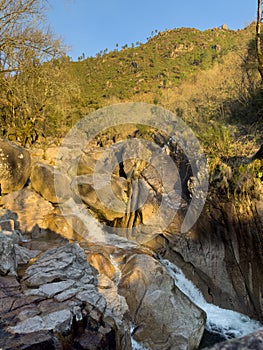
202, 76
163, 63
209, 78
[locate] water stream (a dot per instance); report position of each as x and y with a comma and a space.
226, 323
222, 323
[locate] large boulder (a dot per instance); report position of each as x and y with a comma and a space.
29, 209
14, 166
50, 183
103, 208
163, 317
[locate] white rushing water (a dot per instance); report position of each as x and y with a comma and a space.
227, 323
136, 345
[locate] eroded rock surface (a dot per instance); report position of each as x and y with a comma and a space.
57, 304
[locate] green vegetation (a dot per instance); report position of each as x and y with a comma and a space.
209, 78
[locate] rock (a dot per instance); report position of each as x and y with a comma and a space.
24, 255
85, 165
50, 183
102, 207
8, 262
59, 301
66, 225
49, 290
29, 209
91, 340
253, 341
14, 166
221, 255
116, 304
7, 225
37, 340
163, 317
59, 321
59, 264
101, 263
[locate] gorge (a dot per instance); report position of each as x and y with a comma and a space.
79, 270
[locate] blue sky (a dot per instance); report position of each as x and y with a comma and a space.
88, 26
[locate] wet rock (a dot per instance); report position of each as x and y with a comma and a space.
14, 166
253, 341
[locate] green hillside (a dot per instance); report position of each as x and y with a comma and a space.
209, 78
164, 62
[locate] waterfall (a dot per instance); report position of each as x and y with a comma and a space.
227, 323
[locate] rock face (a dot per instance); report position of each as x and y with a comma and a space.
58, 305
14, 166
222, 255
156, 304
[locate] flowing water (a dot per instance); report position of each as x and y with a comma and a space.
222, 323
226, 323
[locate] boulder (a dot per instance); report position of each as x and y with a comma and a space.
103, 207
29, 209
14, 166
69, 226
50, 183
101, 263
163, 317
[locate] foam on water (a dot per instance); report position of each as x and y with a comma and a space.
137, 346
227, 323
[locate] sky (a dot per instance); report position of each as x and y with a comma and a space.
89, 26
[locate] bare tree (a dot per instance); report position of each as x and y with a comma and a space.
258, 39
23, 34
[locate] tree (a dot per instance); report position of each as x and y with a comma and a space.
23, 35
258, 39
33, 80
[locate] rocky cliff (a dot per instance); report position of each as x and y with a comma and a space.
81, 271
66, 284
